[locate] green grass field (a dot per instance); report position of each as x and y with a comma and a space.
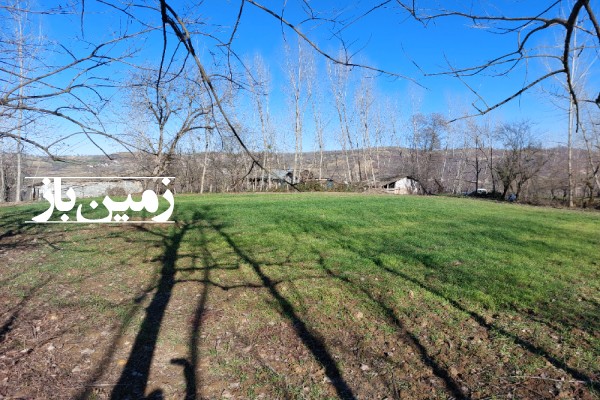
304, 296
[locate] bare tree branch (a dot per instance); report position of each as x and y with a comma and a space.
182, 33
312, 44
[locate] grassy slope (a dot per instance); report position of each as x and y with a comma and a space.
471, 291
483, 255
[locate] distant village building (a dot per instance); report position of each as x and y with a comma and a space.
403, 185
276, 177
281, 177
91, 189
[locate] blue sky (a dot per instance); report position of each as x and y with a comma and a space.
387, 38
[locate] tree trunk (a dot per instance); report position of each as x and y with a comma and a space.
204, 164
20, 121
570, 155
477, 171
2, 175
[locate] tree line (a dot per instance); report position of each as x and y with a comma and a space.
211, 119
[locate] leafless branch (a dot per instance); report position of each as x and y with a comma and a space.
318, 49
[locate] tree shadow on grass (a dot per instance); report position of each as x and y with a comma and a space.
6, 327
532, 348
135, 374
314, 344
374, 249
86, 392
191, 372
134, 377
16, 234
412, 339
13, 223
16, 226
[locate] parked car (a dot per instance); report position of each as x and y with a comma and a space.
478, 192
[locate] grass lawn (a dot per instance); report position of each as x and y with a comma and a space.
304, 296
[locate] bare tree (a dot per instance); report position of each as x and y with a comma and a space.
3, 177
207, 143
21, 44
339, 76
591, 138
81, 98
317, 104
473, 144
427, 133
481, 150
75, 91
523, 157
364, 106
297, 68
259, 85
20, 25
580, 62
390, 134
578, 16
62, 82
165, 112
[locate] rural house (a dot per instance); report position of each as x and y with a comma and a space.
403, 185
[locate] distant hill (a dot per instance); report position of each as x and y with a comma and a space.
122, 164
